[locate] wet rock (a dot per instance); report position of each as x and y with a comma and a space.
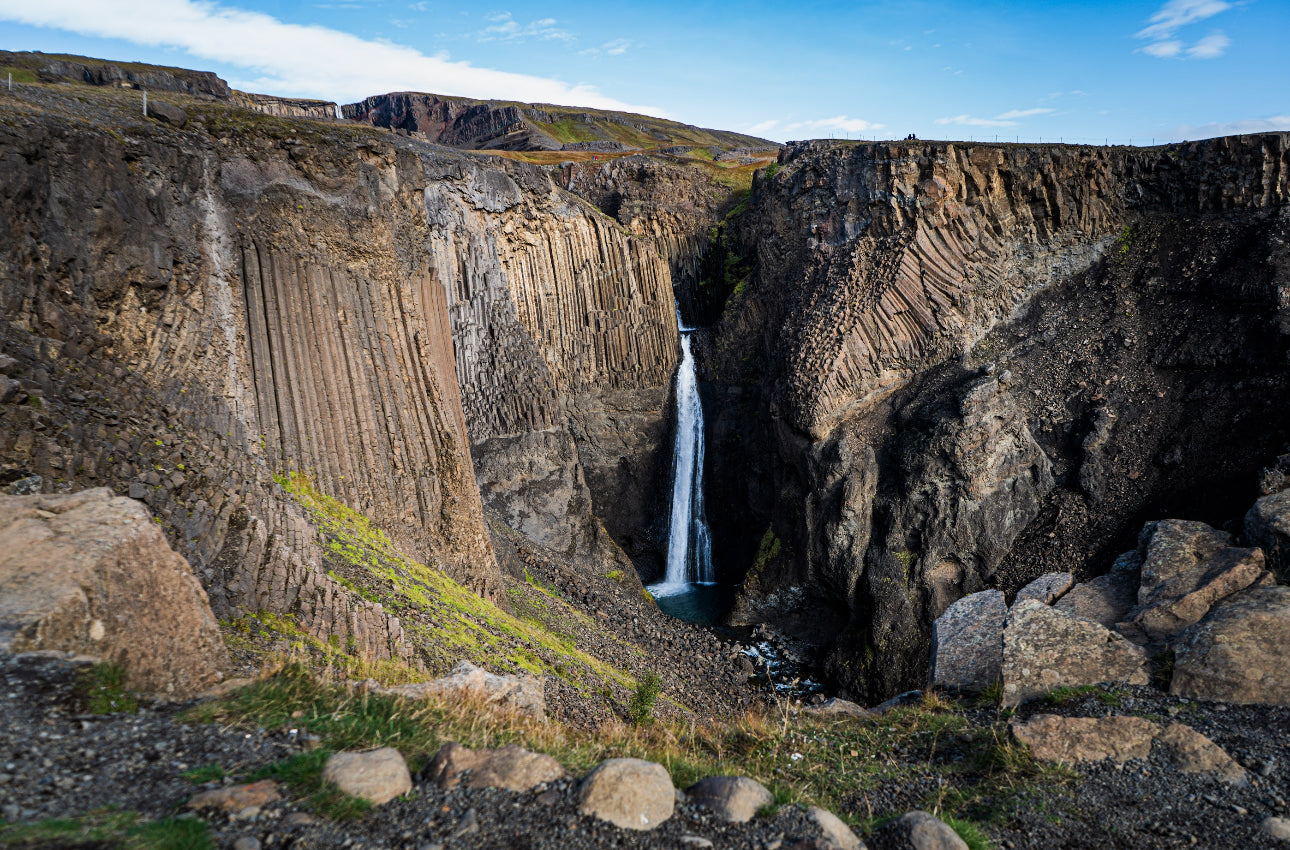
733, 798
235, 798
1078, 739
1047, 589
1268, 525
836, 833
1192, 752
377, 776
921, 831
91, 573
629, 793
468, 681
512, 767
1237, 652
967, 643
1044, 648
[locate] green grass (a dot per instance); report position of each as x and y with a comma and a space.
1070, 693
125, 830
102, 687
204, 773
303, 772
985, 776
20, 75
971, 833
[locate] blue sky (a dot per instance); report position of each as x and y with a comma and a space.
1086, 71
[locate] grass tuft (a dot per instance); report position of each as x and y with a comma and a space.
102, 687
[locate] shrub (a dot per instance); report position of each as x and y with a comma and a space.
641, 708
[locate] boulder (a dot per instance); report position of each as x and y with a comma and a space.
167, 113
836, 834
1106, 599
629, 793
1192, 752
1045, 648
1276, 828
837, 708
733, 798
235, 798
1048, 588
92, 573
1078, 739
467, 681
512, 767
921, 831
1267, 525
1237, 653
967, 643
376, 776
1186, 568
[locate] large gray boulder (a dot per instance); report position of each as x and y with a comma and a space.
1108, 598
967, 643
1239, 651
733, 798
377, 776
512, 767
91, 573
837, 835
921, 831
1082, 739
629, 793
1267, 525
1045, 648
1187, 567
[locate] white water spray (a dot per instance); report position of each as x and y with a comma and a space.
689, 544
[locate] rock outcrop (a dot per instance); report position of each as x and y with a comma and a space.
91, 573
968, 365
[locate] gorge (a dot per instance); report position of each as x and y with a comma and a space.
412, 386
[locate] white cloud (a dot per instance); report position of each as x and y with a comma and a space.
764, 126
1173, 16
1003, 119
1023, 113
617, 47
295, 59
1209, 47
1275, 124
1178, 13
503, 27
838, 122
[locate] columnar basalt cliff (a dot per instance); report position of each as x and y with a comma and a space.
566, 341
201, 313
951, 347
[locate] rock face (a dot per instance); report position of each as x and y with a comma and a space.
1044, 648
288, 107
377, 776
629, 793
1237, 652
967, 643
233, 344
960, 309
91, 573
733, 798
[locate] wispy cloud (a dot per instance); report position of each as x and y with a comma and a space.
1003, 119
764, 126
840, 123
1163, 26
1274, 124
617, 47
502, 26
298, 60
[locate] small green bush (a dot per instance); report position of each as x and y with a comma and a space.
641, 708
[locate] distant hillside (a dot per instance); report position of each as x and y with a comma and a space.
509, 126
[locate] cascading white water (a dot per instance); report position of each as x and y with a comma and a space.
689, 544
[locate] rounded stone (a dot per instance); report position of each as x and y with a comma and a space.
733, 798
377, 776
1278, 828
629, 793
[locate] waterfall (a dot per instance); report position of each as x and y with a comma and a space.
689, 543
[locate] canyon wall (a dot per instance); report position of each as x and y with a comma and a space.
885, 350
194, 316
